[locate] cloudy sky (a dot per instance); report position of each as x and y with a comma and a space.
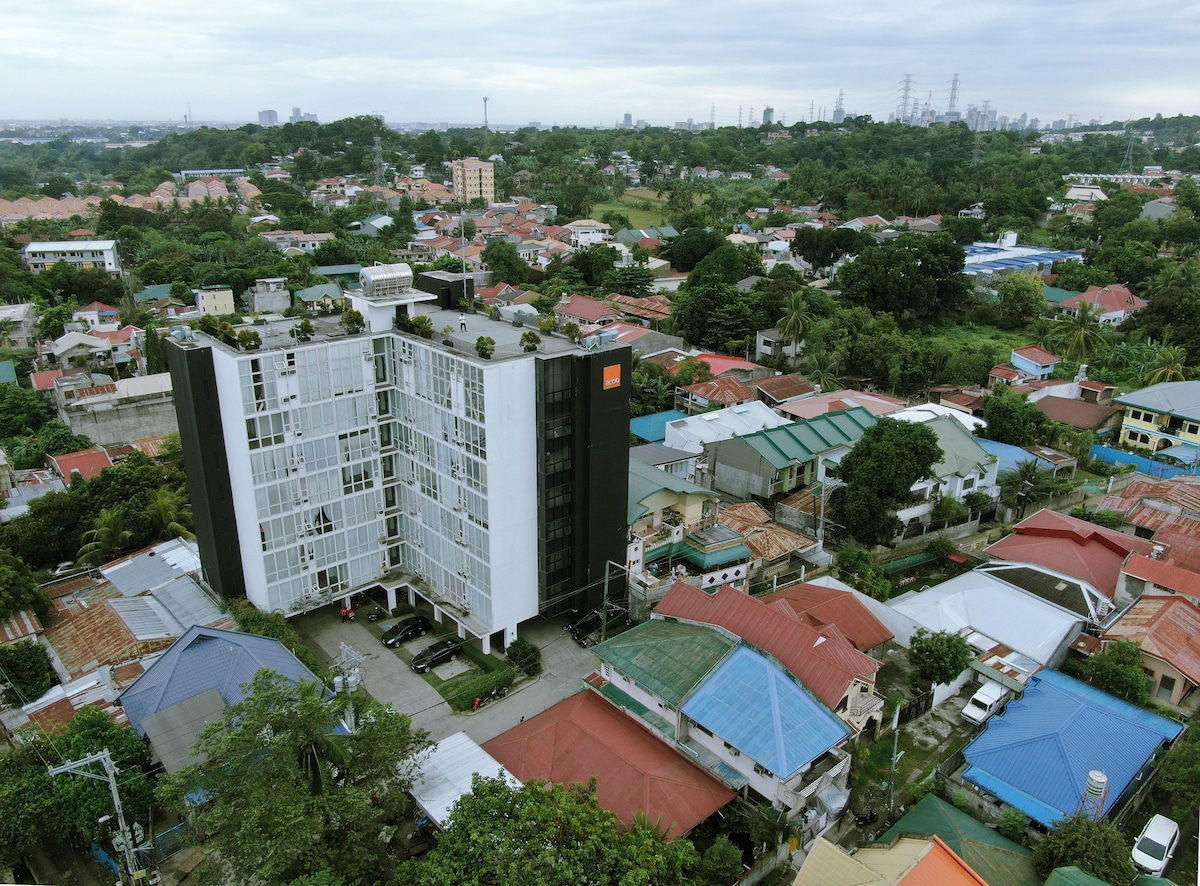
588, 62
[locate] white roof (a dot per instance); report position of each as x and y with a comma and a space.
927, 411
78, 340
69, 245
446, 774
975, 601
691, 433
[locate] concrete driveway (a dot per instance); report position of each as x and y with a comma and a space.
391, 681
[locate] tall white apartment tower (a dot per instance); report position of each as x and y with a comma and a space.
492, 489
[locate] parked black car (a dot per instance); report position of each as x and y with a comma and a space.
397, 633
442, 650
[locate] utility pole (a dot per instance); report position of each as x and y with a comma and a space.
133, 873
350, 675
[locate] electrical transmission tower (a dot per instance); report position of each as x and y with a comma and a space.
839, 110
1127, 162
380, 168
906, 86
977, 151
953, 106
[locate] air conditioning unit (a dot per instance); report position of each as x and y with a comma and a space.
368, 356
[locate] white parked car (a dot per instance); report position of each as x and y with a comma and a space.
1155, 845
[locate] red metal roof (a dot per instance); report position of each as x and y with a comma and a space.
87, 462
783, 387
1163, 575
721, 390
720, 364
585, 737
819, 606
588, 309
1037, 355
1167, 628
1077, 413
1072, 546
23, 624
823, 660
44, 381
1106, 298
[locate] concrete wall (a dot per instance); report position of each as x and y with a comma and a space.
114, 425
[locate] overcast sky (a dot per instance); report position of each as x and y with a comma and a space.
588, 62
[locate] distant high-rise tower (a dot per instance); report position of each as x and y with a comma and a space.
268, 118
628, 120
768, 116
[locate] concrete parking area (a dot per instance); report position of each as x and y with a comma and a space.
390, 680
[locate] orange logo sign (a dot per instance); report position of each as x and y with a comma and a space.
612, 376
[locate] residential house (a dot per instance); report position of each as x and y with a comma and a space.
904, 861
1039, 755
676, 462
653, 428
141, 406
733, 709
1113, 304
1167, 511
190, 685
780, 389
1028, 363
723, 366
1167, 629
998, 860
1076, 547
1144, 576
18, 325
269, 295
775, 547
824, 661
41, 255
1056, 587
587, 232
965, 468
714, 393
87, 463
322, 297
97, 317
447, 772
586, 311
770, 344
834, 401
820, 607
652, 310
1082, 415
778, 460
215, 300
1164, 418
636, 773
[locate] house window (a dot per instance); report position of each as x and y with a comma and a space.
1191, 427
968, 483
1166, 687
762, 770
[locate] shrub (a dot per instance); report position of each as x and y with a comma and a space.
271, 624
465, 693
27, 672
525, 656
961, 801
1012, 824
249, 340
941, 550
485, 346
914, 793
530, 341
423, 326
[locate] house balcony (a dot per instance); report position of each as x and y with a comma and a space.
864, 708
828, 772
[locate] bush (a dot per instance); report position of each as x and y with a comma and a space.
961, 801
914, 793
271, 624
485, 346
941, 550
423, 326
464, 693
27, 672
525, 656
1012, 824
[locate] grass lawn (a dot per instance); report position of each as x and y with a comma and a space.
639, 218
968, 335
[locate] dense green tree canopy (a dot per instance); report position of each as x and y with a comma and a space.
879, 473
916, 278
1095, 846
939, 656
1118, 670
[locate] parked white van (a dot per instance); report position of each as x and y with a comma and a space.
988, 699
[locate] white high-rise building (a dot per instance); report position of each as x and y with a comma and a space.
493, 489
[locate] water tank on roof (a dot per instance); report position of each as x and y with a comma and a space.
379, 280
1097, 784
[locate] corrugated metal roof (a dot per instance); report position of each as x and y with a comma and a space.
802, 441
819, 606
654, 427
1037, 754
751, 703
1167, 627
667, 658
645, 480
447, 771
207, 658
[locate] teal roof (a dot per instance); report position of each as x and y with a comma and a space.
8, 373
1000, 861
654, 427
1179, 398
323, 290
1073, 876
337, 270
802, 441
1054, 295
153, 293
961, 452
645, 480
666, 658
751, 703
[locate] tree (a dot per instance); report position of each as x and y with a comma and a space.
530, 341
1167, 364
916, 278
1021, 297
1180, 775
547, 834
1011, 418
691, 371
506, 265
823, 369
485, 346
796, 321
249, 339
22, 410
939, 656
879, 473
26, 671
725, 266
170, 512
1026, 483
107, 538
690, 248
1080, 336
635, 280
352, 321
1095, 846
286, 795
302, 331
53, 320
862, 570
18, 590
1117, 669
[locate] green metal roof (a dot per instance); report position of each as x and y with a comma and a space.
320, 291
1054, 295
961, 452
1000, 861
1072, 876
8, 372
802, 441
645, 480
665, 657
153, 293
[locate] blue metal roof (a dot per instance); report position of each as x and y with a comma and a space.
1010, 456
750, 702
1037, 755
653, 428
203, 659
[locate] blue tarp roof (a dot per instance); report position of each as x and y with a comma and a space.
1010, 456
750, 702
653, 428
1037, 755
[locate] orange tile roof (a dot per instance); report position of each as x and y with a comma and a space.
818, 606
585, 737
88, 462
1037, 355
824, 661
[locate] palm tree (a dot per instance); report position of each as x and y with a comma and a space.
170, 512
322, 753
795, 322
1027, 482
1041, 330
1079, 336
1167, 364
107, 537
822, 368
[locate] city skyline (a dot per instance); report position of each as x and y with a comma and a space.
589, 66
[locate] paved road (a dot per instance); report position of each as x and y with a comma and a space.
391, 681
